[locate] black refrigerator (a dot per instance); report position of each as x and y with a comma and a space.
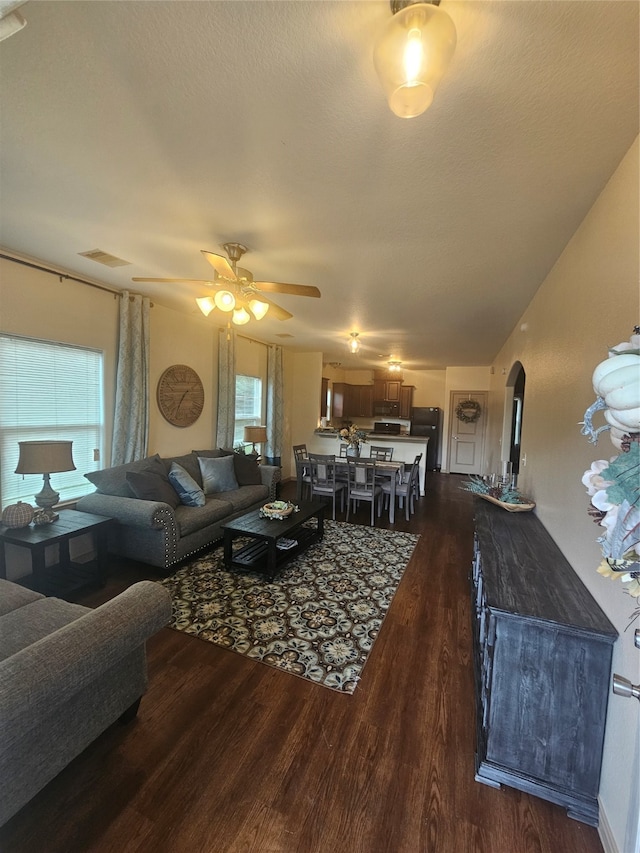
428, 421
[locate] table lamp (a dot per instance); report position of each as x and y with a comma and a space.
45, 457
255, 435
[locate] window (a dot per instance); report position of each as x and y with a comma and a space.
49, 391
248, 405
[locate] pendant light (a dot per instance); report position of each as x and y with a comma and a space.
413, 53
354, 343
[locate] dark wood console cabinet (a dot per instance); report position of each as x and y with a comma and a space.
542, 660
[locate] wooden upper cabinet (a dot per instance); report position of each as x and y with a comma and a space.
324, 395
352, 401
393, 390
406, 401
379, 389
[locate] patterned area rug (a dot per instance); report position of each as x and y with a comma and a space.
318, 619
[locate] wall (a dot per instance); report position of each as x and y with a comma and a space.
303, 381
589, 301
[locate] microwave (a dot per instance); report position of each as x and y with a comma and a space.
386, 408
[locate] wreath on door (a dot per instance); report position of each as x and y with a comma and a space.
468, 411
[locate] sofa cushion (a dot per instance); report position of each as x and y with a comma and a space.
38, 619
218, 475
192, 518
245, 496
113, 481
188, 490
247, 469
151, 486
209, 454
189, 462
14, 596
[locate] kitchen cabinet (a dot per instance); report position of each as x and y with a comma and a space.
406, 401
542, 665
352, 401
387, 390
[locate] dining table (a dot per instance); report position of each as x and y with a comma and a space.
394, 471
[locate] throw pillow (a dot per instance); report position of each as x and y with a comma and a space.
246, 469
213, 454
188, 490
217, 474
113, 481
151, 486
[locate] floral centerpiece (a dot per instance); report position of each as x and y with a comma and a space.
614, 485
353, 437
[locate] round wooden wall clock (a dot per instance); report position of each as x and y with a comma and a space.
180, 395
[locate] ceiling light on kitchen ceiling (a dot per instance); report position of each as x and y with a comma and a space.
395, 366
412, 54
354, 343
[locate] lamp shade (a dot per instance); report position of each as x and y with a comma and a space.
255, 434
411, 56
44, 457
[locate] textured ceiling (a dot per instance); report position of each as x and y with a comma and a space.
152, 130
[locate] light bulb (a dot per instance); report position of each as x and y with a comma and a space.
258, 308
206, 304
225, 300
413, 57
240, 316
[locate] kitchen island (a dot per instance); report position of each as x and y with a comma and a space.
405, 447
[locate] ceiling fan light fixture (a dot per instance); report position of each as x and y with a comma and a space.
258, 308
225, 300
240, 316
206, 304
354, 343
412, 54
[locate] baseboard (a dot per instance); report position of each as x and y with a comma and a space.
605, 832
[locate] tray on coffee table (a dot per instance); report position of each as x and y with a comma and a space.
270, 546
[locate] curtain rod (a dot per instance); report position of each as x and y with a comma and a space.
63, 275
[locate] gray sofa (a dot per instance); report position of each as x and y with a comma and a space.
160, 534
66, 674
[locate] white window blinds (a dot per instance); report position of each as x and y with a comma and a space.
49, 391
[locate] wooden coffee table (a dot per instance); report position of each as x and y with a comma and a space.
265, 552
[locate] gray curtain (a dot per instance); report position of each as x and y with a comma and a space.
131, 417
226, 387
274, 405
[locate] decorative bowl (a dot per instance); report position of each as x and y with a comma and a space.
277, 509
523, 507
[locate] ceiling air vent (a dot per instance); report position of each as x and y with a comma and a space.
105, 258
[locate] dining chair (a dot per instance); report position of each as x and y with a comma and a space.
323, 479
385, 454
408, 490
363, 485
343, 451
303, 475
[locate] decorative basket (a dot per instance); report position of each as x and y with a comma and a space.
17, 515
277, 510
524, 507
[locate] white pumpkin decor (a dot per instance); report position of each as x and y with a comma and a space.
614, 485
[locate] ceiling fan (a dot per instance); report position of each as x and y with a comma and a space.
237, 291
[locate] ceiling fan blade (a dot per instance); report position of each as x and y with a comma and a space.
221, 265
283, 287
187, 280
274, 310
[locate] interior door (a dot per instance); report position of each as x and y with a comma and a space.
466, 440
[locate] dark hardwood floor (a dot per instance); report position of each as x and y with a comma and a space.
229, 755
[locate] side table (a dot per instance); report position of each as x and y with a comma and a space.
66, 576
